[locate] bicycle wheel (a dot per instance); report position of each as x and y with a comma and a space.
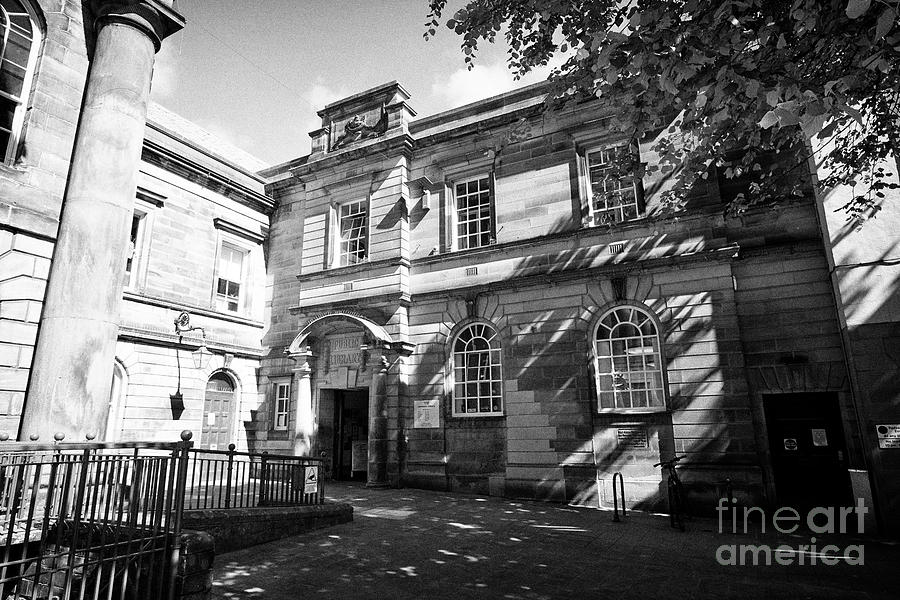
676, 504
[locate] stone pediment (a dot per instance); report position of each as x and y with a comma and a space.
367, 115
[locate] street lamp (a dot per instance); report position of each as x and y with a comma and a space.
201, 355
201, 358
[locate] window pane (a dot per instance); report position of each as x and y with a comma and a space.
353, 232
477, 371
473, 213
628, 361
611, 185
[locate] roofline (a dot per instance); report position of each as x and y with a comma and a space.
196, 146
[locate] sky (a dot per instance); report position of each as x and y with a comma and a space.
254, 73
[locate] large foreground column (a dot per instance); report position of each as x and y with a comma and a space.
73, 362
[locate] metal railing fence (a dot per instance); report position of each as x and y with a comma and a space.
231, 479
91, 520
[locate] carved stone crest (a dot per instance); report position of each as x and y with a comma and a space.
357, 129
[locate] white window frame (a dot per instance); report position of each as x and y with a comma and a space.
598, 217
341, 256
21, 101
281, 404
494, 379
139, 250
243, 290
643, 388
491, 218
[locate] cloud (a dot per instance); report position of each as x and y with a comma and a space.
488, 79
164, 85
315, 98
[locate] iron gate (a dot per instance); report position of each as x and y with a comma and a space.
91, 520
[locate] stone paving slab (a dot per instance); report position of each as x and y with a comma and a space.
420, 544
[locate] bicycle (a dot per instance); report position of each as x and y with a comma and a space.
676, 495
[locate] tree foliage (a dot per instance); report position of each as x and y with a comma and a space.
761, 76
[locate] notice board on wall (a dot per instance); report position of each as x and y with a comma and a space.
427, 414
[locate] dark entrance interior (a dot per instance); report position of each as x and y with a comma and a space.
351, 439
809, 456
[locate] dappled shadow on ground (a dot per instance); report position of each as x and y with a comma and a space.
417, 544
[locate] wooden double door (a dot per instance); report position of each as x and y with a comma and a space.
216, 430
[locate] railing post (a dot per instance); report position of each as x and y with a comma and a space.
181, 464
231, 448
263, 479
616, 497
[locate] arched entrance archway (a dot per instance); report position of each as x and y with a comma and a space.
342, 403
218, 412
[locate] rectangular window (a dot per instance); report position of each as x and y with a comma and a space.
230, 278
132, 259
282, 406
613, 192
353, 233
474, 213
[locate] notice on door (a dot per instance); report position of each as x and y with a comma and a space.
311, 481
359, 455
790, 444
819, 437
427, 415
888, 436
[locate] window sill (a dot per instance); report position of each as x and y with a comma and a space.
478, 415
633, 411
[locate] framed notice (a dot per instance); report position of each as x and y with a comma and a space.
888, 436
427, 414
359, 455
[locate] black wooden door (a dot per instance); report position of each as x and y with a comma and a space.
809, 457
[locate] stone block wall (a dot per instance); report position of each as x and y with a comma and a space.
31, 191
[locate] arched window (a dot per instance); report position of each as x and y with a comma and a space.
628, 361
18, 54
118, 391
477, 379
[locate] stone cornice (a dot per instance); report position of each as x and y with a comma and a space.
165, 158
401, 142
723, 254
338, 272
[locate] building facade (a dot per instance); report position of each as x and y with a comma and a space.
524, 319
491, 299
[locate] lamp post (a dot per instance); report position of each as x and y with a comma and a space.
201, 357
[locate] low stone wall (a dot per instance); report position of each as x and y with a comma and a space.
236, 528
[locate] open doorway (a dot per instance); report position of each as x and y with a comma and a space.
351, 434
806, 440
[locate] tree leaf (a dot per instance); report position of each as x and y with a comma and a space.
769, 119
752, 88
885, 22
857, 8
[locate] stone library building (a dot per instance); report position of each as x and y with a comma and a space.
491, 299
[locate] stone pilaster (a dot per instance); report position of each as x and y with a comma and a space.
72, 368
304, 423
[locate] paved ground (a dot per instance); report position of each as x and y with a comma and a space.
431, 545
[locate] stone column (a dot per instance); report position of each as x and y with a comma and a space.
73, 362
304, 420
377, 475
